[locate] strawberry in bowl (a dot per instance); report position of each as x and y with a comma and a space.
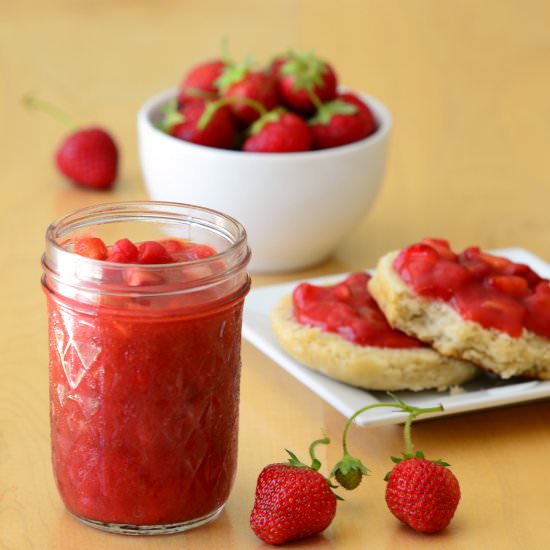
298, 174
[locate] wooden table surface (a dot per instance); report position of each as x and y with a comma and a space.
468, 85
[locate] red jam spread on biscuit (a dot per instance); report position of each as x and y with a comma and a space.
124, 251
492, 291
349, 310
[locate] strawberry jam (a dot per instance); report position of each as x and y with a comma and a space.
349, 310
144, 371
486, 289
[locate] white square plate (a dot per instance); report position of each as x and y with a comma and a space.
479, 394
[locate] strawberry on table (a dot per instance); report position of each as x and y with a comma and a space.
422, 493
341, 121
303, 80
220, 130
278, 132
199, 82
88, 156
241, 82
293, 500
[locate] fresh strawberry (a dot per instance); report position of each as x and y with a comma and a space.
88, 156
293, 501
274, 68
278, 132
422, 493
240, 82
304, 81
199, 82
220, 130
344, 120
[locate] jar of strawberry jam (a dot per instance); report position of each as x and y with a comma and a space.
145, 307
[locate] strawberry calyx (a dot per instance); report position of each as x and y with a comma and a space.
315, 462
212, 107
266, 118
409, 453
306, 69
171, 116
326, 111
232, 74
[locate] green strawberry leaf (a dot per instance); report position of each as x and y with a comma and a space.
171, 117
306, 69
295, 461
232, 74
271, 116
331, 108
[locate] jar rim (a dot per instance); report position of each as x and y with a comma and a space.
235, 256
102, 207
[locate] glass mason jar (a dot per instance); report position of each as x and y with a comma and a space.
145, 368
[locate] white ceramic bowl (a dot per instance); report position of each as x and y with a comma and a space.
295, 207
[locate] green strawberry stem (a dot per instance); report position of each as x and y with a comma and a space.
314, 99
348, 463
33, 102
315, 463
224, 47
402, 407
200, 94
171, 116
211, 108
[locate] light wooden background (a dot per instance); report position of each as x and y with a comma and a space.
468, 83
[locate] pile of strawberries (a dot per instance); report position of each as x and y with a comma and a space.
291, 105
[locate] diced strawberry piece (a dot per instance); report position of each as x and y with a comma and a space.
139, 277
442, 247
152, 252
91, 247
509, 284
420, 252
174, 245
524, 271
197, 252
495, 262
472, 253
124, 251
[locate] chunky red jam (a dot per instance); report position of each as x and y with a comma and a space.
125, 251
144, 403
487, 289
349, 310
